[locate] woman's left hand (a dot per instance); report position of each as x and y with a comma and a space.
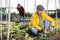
51, 29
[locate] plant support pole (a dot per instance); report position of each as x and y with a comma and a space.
56, 16
1, 19
46, 17
8, 21
35, 6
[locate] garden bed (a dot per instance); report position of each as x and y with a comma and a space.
16, 33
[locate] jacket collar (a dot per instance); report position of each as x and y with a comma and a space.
37, 15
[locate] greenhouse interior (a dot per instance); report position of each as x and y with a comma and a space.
16, 17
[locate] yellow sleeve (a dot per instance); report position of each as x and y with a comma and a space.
52, 22
33, 21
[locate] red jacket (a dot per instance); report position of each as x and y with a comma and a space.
21, 11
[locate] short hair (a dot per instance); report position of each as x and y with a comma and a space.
18, 4
40, 7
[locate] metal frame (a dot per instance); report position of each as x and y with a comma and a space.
56, 16
46, 15
8, 21
59, 4
1, 19
35, 6
24, 15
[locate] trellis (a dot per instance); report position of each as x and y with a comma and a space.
8, 22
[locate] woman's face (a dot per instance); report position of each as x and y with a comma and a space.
39, 12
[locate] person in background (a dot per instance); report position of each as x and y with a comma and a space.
40, 21
21, 12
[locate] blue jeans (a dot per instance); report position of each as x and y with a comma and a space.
46, 24
21, 18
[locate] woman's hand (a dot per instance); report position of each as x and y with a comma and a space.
51, 29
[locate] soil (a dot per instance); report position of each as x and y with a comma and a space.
55, 37
21, 38
3, 38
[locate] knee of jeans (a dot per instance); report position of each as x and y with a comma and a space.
47, 24
21, 19
34, 30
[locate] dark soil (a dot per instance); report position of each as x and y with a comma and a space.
55, 37
21, 38
3, 38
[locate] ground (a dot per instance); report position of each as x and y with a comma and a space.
21, 34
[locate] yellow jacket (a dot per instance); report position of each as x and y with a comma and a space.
35, 21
